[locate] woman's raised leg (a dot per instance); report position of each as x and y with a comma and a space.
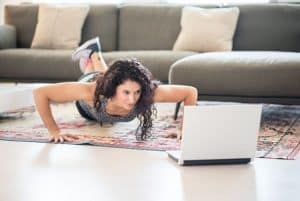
90, 57
98, 62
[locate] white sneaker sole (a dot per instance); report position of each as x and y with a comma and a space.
78, 53
82, 63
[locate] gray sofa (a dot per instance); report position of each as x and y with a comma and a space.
264, 65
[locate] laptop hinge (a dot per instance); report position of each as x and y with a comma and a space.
217, 161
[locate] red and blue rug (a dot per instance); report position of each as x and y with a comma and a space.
279, 135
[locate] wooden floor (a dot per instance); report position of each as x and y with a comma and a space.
37, 171
42, 172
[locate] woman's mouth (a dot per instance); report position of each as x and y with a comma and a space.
131, 105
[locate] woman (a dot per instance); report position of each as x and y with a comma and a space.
120, 92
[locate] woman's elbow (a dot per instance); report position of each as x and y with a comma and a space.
194, 92
38, 94
192, 96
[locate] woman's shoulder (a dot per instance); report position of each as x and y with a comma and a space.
90, 91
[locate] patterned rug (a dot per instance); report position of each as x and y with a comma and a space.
279, 134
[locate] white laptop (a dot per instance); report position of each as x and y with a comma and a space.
218, 134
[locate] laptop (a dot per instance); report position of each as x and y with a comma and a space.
218, 134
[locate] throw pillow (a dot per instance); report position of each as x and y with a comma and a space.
207, 30
59, 27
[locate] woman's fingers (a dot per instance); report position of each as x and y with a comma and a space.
51, 138
56, 139
67, 138
73, 137
62, 138
179, 136
171, 135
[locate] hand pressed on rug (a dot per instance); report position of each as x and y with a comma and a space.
63, 137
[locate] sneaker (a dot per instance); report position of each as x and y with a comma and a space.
87, 49
83, 62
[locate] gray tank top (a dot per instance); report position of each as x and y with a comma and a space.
101, 116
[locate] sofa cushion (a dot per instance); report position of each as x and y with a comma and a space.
207, 30
102, 21
8, 36
59, 27
37, 65
260, 26
24, 18
268, 27
56, 65
149, 27
267, 74
158, 62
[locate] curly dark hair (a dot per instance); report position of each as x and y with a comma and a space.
130, 69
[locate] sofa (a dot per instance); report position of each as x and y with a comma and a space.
263, 66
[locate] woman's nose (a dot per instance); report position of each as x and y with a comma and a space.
131, 99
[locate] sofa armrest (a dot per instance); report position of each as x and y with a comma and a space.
7, 36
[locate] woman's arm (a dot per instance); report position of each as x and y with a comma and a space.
176, 93
60, 92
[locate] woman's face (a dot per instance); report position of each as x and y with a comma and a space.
127, 94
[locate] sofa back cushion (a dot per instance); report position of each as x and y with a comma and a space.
101, 21
58, 18
156, 27
24, 18
260, 27
268, 27
148, 27
207, 30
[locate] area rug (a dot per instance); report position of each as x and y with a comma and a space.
279, 134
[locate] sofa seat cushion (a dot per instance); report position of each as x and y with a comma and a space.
158, 62
56, 65
238, 73
37, 65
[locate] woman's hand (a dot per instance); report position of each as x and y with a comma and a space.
59, 137
59, 93
174, 135
175, 132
